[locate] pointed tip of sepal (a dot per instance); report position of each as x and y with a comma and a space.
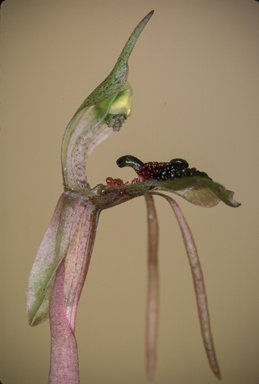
119, 74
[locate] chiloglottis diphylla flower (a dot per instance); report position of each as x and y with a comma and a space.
62, 261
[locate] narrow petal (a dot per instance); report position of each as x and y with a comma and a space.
199, 285
64, 357
152, 310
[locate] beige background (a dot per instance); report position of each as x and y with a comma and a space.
194, 72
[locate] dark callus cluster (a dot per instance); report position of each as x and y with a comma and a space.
176, 168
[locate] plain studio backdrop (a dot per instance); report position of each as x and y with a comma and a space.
194, 72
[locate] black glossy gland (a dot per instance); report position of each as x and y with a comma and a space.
179, 163
130, 161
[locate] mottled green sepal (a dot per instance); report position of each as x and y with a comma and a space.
118, 76
111, 105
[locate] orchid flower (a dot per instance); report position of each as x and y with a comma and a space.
61, 265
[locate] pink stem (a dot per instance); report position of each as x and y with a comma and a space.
68, 285
199, 285
64, 358
152, 310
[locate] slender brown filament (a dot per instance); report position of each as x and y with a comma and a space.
152, 310
199, 285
